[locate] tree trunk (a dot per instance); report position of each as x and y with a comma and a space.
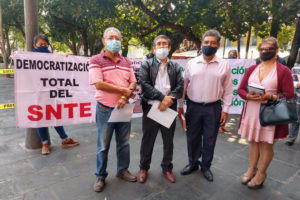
275, 27
8, 48
295, 46
4, 55
74, 47
85, 43
239, 47
248, 41
32, 140
20, 28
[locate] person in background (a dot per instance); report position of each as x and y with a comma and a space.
207, 81
276, 79
40, 45
114, 80
294, 127
162, 81
232, 54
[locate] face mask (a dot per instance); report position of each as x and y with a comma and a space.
232, 57
43, 49
162, 53
113, 45
209, 50
267, 55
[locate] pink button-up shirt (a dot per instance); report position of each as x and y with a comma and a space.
209, 82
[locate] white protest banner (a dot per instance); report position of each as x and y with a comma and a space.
52, 90
238, 69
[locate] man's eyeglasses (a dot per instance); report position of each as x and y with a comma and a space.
267, 49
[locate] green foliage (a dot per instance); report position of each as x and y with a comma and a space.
72, 25
285, 35
76, 22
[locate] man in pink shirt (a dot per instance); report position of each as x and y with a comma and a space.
113, 77
207, 81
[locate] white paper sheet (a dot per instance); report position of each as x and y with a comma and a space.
165, 118
121, 115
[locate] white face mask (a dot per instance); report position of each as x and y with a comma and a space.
162, 53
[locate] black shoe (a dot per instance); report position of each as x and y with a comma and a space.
289, 142
189, 169
208, 175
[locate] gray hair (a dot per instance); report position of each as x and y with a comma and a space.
112, 29
161, 36
212, 32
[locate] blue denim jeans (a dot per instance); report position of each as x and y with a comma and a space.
42, 132
105, 132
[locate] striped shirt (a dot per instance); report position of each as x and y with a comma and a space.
119, 73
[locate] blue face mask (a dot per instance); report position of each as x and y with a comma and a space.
209, 50
113, 45
42, 49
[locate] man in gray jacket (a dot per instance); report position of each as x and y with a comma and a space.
162, 81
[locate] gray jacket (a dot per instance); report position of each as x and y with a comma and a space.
147, 76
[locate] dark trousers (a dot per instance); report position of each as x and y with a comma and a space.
203, 122
150, 130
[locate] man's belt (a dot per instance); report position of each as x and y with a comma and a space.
207, 104
104, 105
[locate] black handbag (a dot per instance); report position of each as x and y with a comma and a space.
282, 111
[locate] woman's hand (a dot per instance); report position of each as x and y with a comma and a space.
253, 96
266, 97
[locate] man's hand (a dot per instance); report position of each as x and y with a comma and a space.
126, 92
121, 103
162, 107
180, 111
224, 117
253, 97
165, 103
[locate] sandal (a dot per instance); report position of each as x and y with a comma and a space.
246, 179
253, 185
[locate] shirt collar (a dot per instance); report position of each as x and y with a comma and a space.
168, 60
200, 59
104, 56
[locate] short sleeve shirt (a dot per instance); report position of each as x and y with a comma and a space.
119, 73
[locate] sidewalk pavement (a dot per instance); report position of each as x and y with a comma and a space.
69, 173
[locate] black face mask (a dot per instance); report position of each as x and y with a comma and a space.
209, 50
267, 55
